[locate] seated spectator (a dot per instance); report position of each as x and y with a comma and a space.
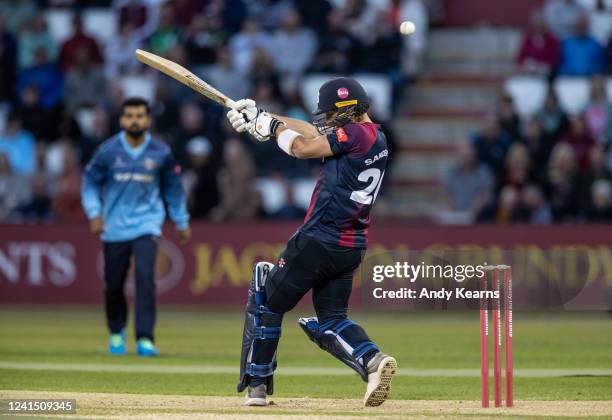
66, 201
35, 39
239, 199
191, 124
314, 13
95, 134
200, 178
580, 140
517, 166
562, 186
470, 184
415, 45
581, 54
540, 52
119, 53
186, 10
553, 118
535, 208
600, 209
289, 210
14, 189
291, 49
244, 43
269, 13
598, 169
8, 62
41, 122
492, 144
85, 82
204, 36
506, 210
339, 52
600, 22
598, 114
46, 76
361, 19
383, 55
509, 120
225, 77
539, 145
18, 14
134, 13
79, 41
167, 34
562, 17
18, 145
38, 208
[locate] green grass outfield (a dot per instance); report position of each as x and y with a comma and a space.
560, 356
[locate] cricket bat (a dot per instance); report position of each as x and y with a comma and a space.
180, 73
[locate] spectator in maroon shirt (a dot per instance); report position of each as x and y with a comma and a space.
581, 141
540, 52
77, 42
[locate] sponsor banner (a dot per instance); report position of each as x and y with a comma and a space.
64, 264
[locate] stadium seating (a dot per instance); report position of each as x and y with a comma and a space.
573, 93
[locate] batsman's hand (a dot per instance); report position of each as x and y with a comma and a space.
96, 225
183, 235
244, 111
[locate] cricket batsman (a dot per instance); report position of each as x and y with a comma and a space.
125, 187
327, 249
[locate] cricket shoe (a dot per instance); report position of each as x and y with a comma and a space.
146, 348
256, 396
116, 344
380, 373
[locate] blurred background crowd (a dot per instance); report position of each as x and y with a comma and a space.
66, 65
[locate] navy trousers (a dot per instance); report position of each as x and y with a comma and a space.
117, 256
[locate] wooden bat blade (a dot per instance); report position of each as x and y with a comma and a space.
184, 76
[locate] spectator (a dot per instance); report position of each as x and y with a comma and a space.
239, 199
361, 19
167, 34
509, 120
517, 165
119, 53
600, 209
506, 210
35, 39
18, 14
580, 140
14, 189
186, 10
492, 144
383, 55
225, 77
289, 210
553, 118
291, 49
600, 22
200, 179
79, 41
204, 37
469, 185
562, 17
38, 207
244, 43
581, 55
133, 13
339, 52
597, 170
66, 201
46, 77
18, 145
598, 113
415, 45
563, 183
608, 53
536, 209
314, 13
41, 122
8, 63
539, 145
84, 82
540, 52
270, 12
95, 134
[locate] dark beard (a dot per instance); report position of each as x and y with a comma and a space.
135, 133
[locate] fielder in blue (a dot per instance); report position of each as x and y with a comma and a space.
127, 186
324, 253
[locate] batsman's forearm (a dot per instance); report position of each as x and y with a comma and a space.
306, 129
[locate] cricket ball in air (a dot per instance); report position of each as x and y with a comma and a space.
407, 28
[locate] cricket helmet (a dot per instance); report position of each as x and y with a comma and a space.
340, 101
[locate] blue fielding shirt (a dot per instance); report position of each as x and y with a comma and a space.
128, 187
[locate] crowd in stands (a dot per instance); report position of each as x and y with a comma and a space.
60, 98
550, 166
